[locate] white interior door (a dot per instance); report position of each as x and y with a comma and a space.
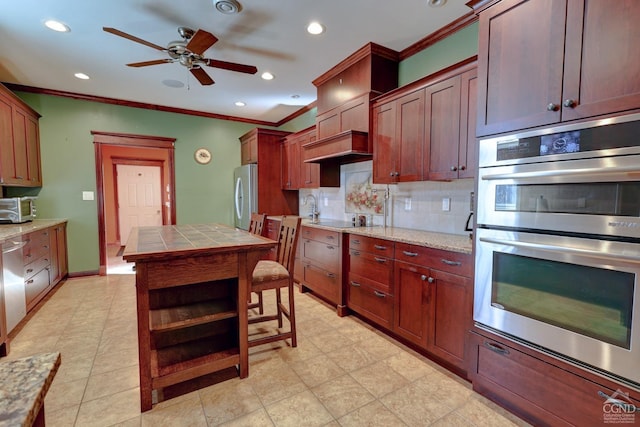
139, 198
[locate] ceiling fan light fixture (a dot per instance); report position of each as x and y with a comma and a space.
267, 76
58, 26
228, 7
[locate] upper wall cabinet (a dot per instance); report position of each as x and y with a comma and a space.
426, 130
542, 62
19, 142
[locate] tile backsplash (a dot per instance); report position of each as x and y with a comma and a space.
416, 205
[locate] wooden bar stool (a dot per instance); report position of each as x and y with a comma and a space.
276, 275
256, 225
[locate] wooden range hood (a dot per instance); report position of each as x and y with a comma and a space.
345, 92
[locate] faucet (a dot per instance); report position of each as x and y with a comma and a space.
314, 207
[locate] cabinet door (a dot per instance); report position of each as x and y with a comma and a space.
602, 66
309, 172
249, 150
410, 318
468, 119
442, 129
20, 154
520, 61
33, 151
7, 167
450, 314
384, 133
410, 136
291, 164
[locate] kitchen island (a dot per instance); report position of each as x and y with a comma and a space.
192, 288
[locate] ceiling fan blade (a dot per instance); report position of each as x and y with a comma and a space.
202, 76
201, 41
132, 38
232, 66
146, 63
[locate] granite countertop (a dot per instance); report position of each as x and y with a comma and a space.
8, 231
445, 241
25, 383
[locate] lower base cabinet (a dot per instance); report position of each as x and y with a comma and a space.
544, 390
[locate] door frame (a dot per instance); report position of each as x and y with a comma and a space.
115, 161
111, 139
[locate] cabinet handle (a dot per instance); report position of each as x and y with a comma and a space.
307, 182
380, 260
330, 237
552, 107
355, 253
29, 270
356, 284
391, 174
19, 177
355, 241
626, 406
463, 167
454, 168
30, 281
307, 232
411, 254
397, 173
452, 263
331, 275
380, 247
330, 247
569, 103
431, 280
496, 348
379, 294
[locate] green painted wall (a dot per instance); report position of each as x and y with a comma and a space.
203, 192
458, 46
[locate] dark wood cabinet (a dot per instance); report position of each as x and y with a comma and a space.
36, 257
19, 142
272, 199
411, 317
296, 173
249, 149
320, 258
399, 139
541, 389
421, 131
58, 251
543, 62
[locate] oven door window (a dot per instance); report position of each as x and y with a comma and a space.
591, 301
604, 198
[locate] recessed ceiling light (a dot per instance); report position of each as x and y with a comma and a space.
81, 76
436, 3
228, 7
57, 26
315, 28
295, 96
267, 76
240, 104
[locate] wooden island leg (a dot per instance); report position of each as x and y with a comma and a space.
144, 336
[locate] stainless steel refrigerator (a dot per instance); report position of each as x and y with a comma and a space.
245, 192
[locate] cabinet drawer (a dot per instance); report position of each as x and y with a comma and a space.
539, 390
36, 287
322, 254
37, 245
373, 245
325, 236
35, 266
325, 283
377, 269
452, 262
370, 302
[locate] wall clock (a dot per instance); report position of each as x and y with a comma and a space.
202, 156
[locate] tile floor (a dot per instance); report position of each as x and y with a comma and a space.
343, 372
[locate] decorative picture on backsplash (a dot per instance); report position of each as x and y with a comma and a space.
361, 196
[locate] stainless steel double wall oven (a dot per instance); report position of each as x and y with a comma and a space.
558, 242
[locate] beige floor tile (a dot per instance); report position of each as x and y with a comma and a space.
188, 413
451, 391
303, 409
132, 422
112, 382
352, 357
414, 407
482, 413
317, 370
109, 410
107, 362
275, 380
228, 400
342, 395
452, 420
380, 347
63, 394
371, 415
258, 418
330, 340
409, 366
62, 417
378, 379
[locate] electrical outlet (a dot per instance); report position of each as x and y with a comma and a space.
446, 204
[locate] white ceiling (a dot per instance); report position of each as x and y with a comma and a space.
269, 34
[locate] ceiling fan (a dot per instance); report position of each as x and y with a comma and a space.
188, 52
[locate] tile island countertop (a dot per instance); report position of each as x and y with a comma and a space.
25, 383
444, 241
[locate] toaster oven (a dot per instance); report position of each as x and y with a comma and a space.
17, 210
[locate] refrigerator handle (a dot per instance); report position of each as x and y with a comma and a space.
238, 197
